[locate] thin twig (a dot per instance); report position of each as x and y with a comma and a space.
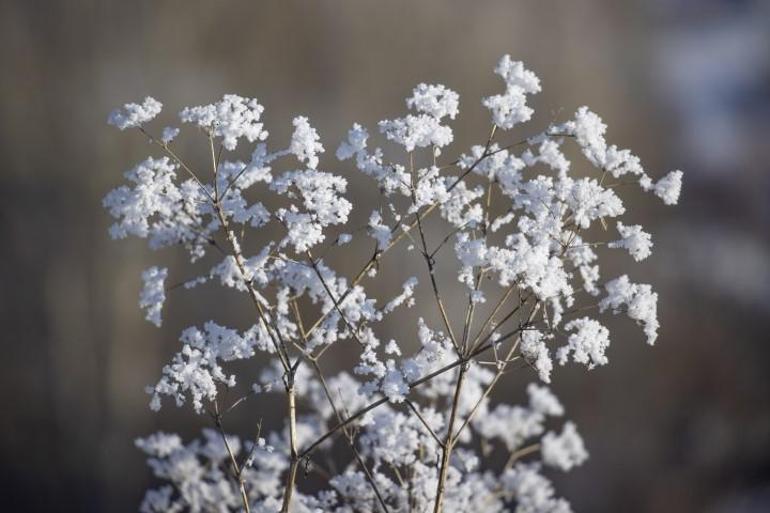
424, 423
236, 469
404, 231
350, 437
500, 371
483, 347
337, 306
179, 161
516, 455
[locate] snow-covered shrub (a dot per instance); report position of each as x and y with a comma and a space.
418, 424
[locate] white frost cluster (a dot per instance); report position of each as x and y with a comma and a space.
304, 142
636, 241
533, 492
196, 473
169, 134
390, 177
515, 425
589, 130
406, 296
667, 188
510, 108
432, 103
323, 205
158, 208
503, 230
231, 118
379, 231
639, 301
197, 369
133, 115
587, 345
434, 100
535, 350
566, 450
153, 293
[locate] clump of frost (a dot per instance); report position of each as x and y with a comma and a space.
231, 118
169, 134
510, 108
432, 103
304, 142
566, 450
587, 345
636, 241
668, 188
639, 301
153, 293
133, 115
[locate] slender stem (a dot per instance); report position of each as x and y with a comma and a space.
275, 337
247, 459
503, 365
278, 344
446, 451
470, 310
424, 423
486, 153
348, 434
495, 311
359, 276
179, 161
337, 305
452, 439
479, 340
434, 283
515, 455
351, 439
446, 239
293, 457
236, 469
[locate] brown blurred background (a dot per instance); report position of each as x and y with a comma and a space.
681, 427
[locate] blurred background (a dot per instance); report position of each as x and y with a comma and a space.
681, 427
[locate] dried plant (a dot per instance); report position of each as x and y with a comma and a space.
417, 426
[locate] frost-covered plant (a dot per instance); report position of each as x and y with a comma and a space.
415, 411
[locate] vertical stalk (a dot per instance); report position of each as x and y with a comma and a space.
446, 452
276, 338
294, 458
509, 357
